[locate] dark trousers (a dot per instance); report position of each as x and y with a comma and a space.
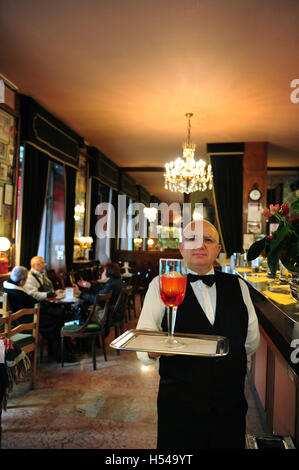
187, 421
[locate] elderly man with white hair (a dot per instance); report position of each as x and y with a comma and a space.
17, 296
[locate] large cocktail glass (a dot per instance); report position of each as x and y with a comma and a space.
173, 281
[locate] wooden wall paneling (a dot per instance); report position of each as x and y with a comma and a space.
270, 383
284, 401
260, 370
296, 438
254, 173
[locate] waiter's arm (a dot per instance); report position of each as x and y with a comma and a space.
151, 317
253, 334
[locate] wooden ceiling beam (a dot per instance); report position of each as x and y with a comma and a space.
143, 169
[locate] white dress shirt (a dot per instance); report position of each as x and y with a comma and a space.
153, 312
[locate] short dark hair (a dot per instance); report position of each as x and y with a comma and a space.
112, 270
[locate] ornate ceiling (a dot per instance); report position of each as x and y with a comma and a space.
123, 73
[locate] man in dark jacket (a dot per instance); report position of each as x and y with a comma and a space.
18, 299
17, 296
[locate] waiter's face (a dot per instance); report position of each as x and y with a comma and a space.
200, 252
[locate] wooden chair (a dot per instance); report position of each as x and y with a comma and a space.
66, 280
25, 335
118, 315
89, 329
3, 332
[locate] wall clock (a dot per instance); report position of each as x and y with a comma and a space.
255, 194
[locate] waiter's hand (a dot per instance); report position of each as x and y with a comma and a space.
154, 355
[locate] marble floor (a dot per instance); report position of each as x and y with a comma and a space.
75, 407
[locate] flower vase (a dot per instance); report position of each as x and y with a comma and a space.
290, 260
294, 285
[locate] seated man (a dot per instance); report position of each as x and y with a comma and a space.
18, 299
38, 284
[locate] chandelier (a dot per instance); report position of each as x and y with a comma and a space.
150, 213
186, 175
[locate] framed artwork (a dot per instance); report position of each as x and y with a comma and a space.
3, 151
1, 199
254, 227
7, 214
3, 171
6, 122
254, 212
8, 194
248, 240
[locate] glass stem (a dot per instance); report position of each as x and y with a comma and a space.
171, 317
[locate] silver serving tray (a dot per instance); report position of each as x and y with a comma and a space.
155, 341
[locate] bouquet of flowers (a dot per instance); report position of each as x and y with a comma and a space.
283, 244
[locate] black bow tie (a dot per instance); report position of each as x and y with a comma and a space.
208, 279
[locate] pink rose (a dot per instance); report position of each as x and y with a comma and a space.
267, 213
274, 209
284, 210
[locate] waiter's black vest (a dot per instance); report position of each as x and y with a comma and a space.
217, 380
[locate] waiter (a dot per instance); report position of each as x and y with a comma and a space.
201, 401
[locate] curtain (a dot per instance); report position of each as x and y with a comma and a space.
69, 223
228, 189
95, 199
99, 193
35, 186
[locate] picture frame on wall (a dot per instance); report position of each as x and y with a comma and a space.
1, 200
6, 122
7, 214
3, 151
3, 171
8, 194
254, 227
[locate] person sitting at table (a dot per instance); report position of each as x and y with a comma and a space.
18, 299
38, 284
113, 284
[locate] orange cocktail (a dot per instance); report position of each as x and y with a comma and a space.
172, 288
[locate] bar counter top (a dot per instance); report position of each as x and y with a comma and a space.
277, 311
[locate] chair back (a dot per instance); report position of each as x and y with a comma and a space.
3, 304
119, 309
27, 327
56, 281
99, 299
29, 340
66, 280
3, 326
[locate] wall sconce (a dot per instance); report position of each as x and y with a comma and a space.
138, 243
79, 211
4, 246
85, 244
150, 244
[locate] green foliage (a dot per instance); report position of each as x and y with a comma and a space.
256, 249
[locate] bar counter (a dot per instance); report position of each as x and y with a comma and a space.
275, 366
